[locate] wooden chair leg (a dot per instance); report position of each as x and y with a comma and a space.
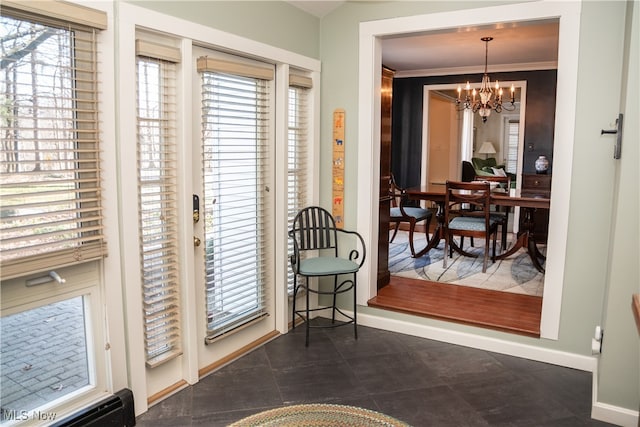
395, 231
485, 262
446, 250
503, 240
426, 227
412, 226
494, 245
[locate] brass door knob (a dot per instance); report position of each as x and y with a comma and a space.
196, 241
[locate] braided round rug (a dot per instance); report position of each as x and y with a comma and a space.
325, 415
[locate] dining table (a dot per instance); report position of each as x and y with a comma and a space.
528, 202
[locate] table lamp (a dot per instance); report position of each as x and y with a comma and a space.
487, 148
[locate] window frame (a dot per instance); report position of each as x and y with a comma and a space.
190, 36
298, 149
160, 272
238, 98
80, 233
90, 278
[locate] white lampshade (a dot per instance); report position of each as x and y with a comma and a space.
487, 148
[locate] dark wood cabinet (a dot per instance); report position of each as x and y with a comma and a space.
538, 185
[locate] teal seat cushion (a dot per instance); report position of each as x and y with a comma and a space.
470, 223
417, 213
324, 266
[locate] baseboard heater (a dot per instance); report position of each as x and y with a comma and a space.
114, 411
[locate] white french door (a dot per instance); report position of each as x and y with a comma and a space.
233, 176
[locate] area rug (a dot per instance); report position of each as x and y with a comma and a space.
325, 415
515, 274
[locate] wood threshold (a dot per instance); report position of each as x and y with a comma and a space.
503, 311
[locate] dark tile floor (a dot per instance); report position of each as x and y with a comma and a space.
419, 381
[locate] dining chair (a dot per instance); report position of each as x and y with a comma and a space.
316, 254
475, 222
502, 212
401, 212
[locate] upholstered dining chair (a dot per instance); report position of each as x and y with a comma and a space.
468, 171
502, 212
401, 212
475, 222
316, 254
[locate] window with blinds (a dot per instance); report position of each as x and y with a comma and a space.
512, 137
157, 202
235, 139
50, 184
297, 169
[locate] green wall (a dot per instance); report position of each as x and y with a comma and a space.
275, 23
604, 196
593, 174
619, 368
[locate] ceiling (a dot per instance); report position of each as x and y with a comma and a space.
517, 46
317, 8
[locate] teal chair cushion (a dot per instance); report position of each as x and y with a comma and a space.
418, 213
329, 265
470, 223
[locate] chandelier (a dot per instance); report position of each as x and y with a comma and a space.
486, 99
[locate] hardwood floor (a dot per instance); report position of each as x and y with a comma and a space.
503, 311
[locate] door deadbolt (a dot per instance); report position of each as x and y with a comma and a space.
196, 241
196, 208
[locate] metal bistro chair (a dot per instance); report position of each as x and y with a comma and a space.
474, 223
315, 235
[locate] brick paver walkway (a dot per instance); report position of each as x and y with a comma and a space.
43, 355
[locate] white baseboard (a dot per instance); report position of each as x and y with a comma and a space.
610, 413
615, 415
599, 411
555, 357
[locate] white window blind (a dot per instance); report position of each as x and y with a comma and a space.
513, 137
157, 204
50, 184
235, 139
298, 168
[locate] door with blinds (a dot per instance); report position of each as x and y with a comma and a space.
233, 203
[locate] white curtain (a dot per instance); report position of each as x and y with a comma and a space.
466, 147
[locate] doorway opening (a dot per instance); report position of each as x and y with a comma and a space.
371, 35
